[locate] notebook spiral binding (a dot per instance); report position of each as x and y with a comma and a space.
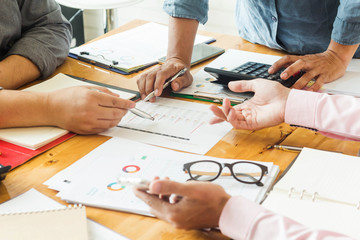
293, 193
67, 208
302, 194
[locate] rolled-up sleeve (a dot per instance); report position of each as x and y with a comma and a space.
346, 27
46, 35
197, 9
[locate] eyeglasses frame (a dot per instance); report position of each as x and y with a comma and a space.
264, 170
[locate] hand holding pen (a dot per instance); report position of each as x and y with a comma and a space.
134, 110
154, 80
167, 83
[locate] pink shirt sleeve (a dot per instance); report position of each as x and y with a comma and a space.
336, 116
243, 219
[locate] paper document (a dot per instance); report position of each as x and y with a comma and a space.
178, 125
130, 50
118, 157
33, 200
348, 84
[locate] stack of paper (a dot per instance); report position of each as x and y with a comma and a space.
93, 179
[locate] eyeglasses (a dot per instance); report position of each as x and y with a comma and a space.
242, 171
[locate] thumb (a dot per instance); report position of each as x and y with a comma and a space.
242, 86
167, 187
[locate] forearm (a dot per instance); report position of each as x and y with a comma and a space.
345, 52
16, 70
22, 109
182, 33
336, 115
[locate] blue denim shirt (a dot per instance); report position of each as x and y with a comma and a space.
298, 27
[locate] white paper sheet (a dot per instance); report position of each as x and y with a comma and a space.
93, 180
178, 125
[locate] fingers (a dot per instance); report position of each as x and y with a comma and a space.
318, 83
182, 81
282, 62
304, 80
106, 100
242, 86
146, 82
217, 112
167, 187
155, 203
226, 106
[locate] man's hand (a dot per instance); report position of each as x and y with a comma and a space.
322, 67
86, 110
200, 205
265, 109
155, 79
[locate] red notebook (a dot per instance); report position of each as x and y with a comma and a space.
15, 155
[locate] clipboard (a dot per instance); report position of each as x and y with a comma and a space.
111, 67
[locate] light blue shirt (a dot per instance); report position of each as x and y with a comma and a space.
298, 27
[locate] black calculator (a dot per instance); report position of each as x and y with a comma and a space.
248, 71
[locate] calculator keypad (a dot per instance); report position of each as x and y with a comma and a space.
258, 70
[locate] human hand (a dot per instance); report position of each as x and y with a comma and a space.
155, 79
86, 110
323, 67
200, 206
265, 109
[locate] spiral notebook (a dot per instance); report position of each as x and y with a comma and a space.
321, 190
67, 223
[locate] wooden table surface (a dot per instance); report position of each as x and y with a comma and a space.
237, 144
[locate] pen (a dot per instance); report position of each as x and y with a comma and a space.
288, 148
152, 94
141, 113
135, 111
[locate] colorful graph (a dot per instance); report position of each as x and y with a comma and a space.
114, 186
131, 169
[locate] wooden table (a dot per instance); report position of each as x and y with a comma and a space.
239, 144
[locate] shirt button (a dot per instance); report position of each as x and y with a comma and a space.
274, 18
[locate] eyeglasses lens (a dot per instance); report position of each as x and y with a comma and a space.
247, 172
204, 171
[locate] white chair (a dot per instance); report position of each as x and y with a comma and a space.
108, 5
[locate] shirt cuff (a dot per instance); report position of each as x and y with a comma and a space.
191, 9
346, 33
301, 108
36, 53
238, 216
